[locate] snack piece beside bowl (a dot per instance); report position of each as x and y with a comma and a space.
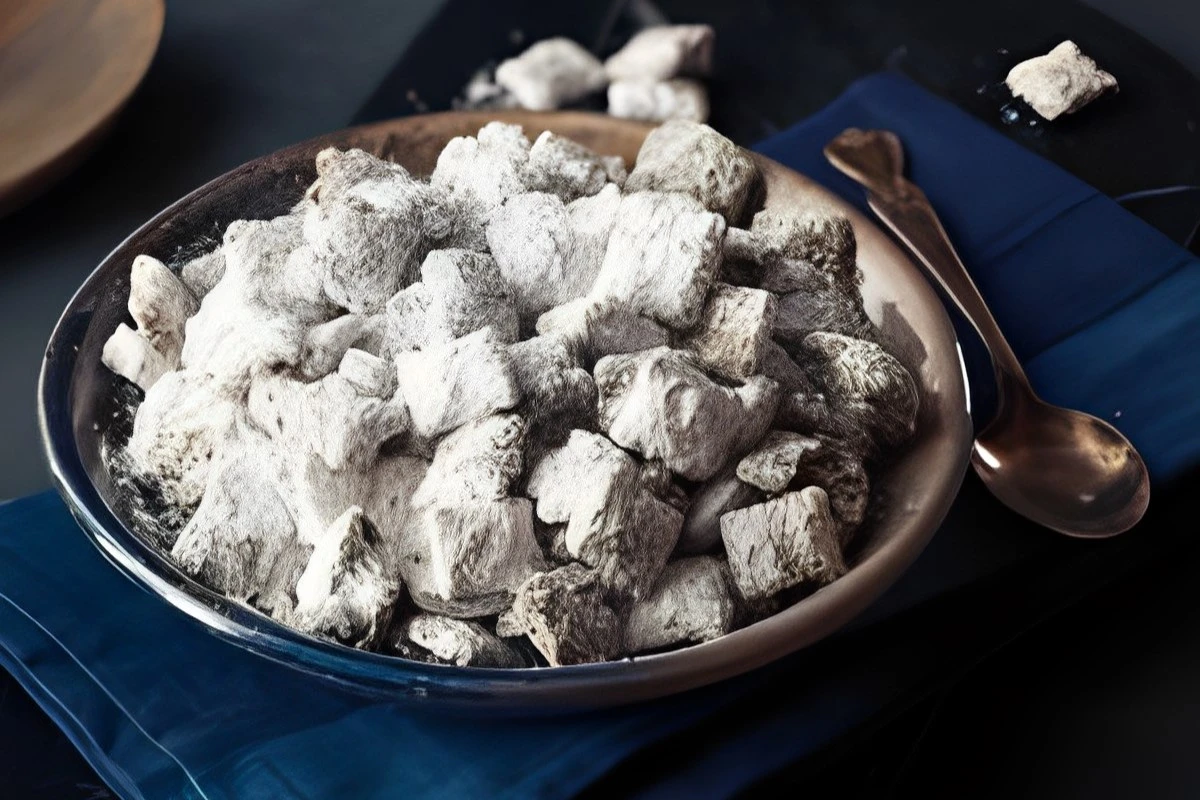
656, 76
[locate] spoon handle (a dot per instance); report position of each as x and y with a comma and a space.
875, 159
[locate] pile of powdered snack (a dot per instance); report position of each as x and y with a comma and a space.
530, 411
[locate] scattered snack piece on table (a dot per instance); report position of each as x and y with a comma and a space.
653, 78
1060, 82
550, 74
662, 52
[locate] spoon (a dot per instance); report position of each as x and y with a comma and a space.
1063, 469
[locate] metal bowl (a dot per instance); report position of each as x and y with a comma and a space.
79, 399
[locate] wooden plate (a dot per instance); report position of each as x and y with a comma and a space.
66, 68
81, 413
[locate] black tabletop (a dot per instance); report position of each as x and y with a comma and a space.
233, 81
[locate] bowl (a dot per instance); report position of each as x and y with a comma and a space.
79, 401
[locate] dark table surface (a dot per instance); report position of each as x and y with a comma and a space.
233, 81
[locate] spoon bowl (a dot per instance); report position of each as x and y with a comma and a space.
1066, 470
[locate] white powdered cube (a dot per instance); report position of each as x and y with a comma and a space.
179, 432
662, 257
1060, 82
160, 304
234, 345
256, 318
460, 292
329, 417
690, 603
257, 273
479, 552
568, 479
550, 74
691, 158
663, 51
346, 592
597, 328
532, 241
483, 170
476, 462
615, 523
550, 252
373, 224
662, 404
569, 170
734, 330
133, 357
564, 614
451, 384
773, 462
782, 543
241, 528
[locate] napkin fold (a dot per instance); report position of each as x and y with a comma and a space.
1103, 309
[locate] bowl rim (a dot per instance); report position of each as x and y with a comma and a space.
538, 690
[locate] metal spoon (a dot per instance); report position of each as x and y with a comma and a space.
1060, 468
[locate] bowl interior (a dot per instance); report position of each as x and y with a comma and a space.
83, 406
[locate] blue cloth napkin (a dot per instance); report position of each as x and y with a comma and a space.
1104, 310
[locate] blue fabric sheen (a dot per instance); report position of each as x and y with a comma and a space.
1103, 309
